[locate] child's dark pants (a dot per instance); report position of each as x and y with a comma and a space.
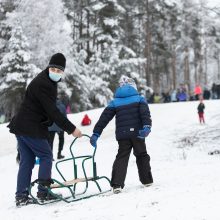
61, 140
201, 117
121, 162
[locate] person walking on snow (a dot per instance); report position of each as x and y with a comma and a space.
133, 125
54, 128
200, 109
30, 125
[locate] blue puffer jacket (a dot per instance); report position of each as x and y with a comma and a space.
62, 109
131, 110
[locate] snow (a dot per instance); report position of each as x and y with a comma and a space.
98, 6
186, 178
210, 3
213, 3
111, 22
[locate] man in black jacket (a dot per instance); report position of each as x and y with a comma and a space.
30, 125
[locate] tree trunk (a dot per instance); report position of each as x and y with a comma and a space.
147, 47
186, 68
81, 25
94, 37
201, 78
156, 76
206, 67
195, 73
218, 64
173, 63
88, 38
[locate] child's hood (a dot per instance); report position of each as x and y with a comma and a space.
125, 91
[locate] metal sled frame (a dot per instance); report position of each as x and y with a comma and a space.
71, 184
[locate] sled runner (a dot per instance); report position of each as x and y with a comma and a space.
70, 184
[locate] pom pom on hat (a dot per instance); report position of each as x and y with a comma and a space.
125, 80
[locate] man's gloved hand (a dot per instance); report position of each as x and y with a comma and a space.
144, 132
94, 139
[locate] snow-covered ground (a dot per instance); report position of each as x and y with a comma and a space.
186, 178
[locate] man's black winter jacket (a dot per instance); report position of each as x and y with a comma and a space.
38, 110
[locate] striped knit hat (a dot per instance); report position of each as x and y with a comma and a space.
125, 80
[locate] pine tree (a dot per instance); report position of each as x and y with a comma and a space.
113, 57
78, 81
5, 7
15, 72
44, 24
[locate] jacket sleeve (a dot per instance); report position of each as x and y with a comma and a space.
105, 118
48, 100
145, 112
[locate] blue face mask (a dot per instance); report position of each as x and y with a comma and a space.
55, 76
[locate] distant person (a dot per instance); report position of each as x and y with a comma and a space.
68, 109
214, 91
133, 125
55, 129
157, 98
166, 97
2, 117
173, 96
206, 94
191, 96
148, 94
200, 109
181, 96
30, 125
197, 91
218, 91
86, 120
151, 99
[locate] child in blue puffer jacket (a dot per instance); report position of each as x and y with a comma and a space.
133, 124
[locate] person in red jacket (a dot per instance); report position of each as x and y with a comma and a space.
86, 120
197, 91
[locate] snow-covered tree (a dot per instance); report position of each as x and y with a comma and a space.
45, 26
158, 43
5, 7
112, 57
78, 81
15, 71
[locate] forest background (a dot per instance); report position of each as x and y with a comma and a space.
161, 44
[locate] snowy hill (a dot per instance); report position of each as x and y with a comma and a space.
186, 179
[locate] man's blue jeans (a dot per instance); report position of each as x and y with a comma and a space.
30, 148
